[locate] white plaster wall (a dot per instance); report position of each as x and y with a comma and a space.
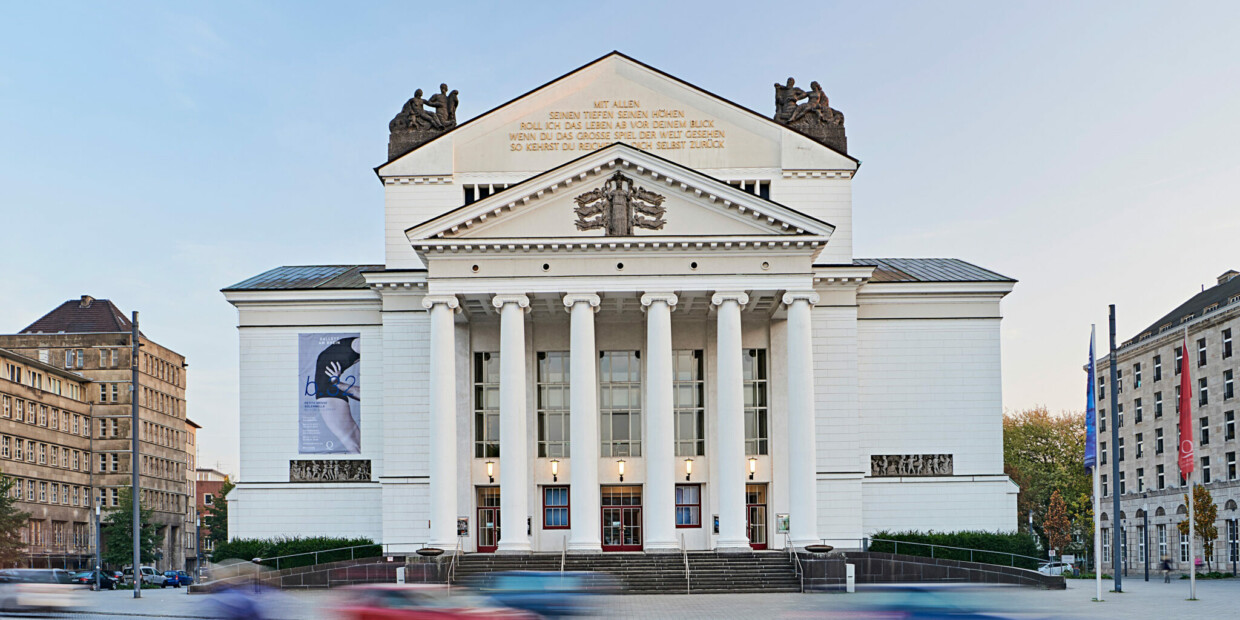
940, 504
933, 386
840, 513
835, 389
264, 511
405, 510
826, 199
406, 205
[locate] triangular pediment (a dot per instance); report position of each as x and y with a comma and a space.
616, 99
574, 200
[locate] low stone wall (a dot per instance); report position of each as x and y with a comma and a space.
828, 572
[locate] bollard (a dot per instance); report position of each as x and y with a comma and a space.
850, 578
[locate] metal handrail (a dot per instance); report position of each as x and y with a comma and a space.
452, 565
1011, 556
563, 555
685, 555
352, 554
793, 555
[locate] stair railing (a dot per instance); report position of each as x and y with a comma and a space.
452, 565
563, 555
685, 556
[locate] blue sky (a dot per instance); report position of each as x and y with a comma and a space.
153, 153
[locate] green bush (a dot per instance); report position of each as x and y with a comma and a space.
1001, 542
249, 548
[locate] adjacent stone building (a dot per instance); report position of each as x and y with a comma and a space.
45, 449
1148, 392
92, 337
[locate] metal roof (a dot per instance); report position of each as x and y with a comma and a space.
928, 270
301, 277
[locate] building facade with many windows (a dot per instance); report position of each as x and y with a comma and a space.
620, 313
1148, 391
45, 449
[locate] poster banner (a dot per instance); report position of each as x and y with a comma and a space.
330, 404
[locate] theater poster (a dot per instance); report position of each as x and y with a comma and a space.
331, 393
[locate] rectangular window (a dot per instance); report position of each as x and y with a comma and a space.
1102, 387
43, 415
1203, 393
1201, 352
1205, 430
1229, 425
1179, 359
1119, 415
43, 454
17, 448
1157, 405
55, 462
1157, 367
1104, 491
1106, 542
1119, 380
1205, 470
4, 446
1137, 409
1226, 343
1102, 448
116, 497
1121, 450
1162, 477
1229, 384
1136, 375
754, 372
1102, 419
1233, 540
689, 387
116, 391
555, 508
1141, 543
6, 404
43, 492
1162, 541
1158, 441
688, 505
1140, 444
30, 490
486, 405
116, 462
1140, 479
620, 403
553, 395
1231, 465
1123, 484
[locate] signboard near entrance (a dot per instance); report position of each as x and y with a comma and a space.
462, 526
781, 523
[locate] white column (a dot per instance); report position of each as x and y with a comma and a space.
514, 464
659, 512
442, 420
802, 461
730, 403
583, 425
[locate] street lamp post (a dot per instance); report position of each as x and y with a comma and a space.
198, 542
98, 541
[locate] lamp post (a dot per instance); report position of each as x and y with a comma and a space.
98, 540
198, 542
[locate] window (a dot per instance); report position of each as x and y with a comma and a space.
1205, 430
1157, 405
103, 462
486, 405
1205, 470
116, 390
17, 448
1157, 367
1177, 398
30, 490
1140, 444
1137, 406
1201, 352
1231, 465
43, 492
116, 462
1102, 387
1102, 419
553, 396
1119, 380
55, 462
4, 447
555, 508
77, 460
1229, 425
207, 498
688, 505
1162, 541
55, 493
1102, 448
1104, 491
1121, 451
6, 403
755, 375
1106, 542
1141, 543
1140, 479
620, 403
1179, 359
1162, 477
1233, 540
1226, 343
116, 497
103, 392
1123, 484
43, 454
1229, 388
1158, 441
18, 486
1119, 415
689, 388
1203, 393
43, 415
1136, 375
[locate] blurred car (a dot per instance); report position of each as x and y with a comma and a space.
419, 602
1054, 568
38, 589
87, 578
546, 594
929, 602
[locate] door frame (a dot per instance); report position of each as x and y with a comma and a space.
765, 525
479, 524
641, 526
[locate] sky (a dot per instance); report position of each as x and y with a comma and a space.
154, 153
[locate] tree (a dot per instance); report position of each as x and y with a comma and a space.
1204, 514
1056, 525
12, 521
216, 520
118, 535
1081, 515
1043, 453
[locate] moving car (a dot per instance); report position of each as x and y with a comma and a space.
419, 602
1054, 568
545, 594
87, 578
36, 589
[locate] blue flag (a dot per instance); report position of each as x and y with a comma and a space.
1091, 411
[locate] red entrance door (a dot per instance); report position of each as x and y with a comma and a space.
622, 518
488, 519
755, 514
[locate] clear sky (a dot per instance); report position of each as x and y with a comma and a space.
153, 153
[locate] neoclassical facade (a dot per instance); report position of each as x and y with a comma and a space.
620, 313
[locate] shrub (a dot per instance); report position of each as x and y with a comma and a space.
249, 548
1001, 542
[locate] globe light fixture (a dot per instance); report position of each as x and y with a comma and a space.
620, 469
491, 471
753, 466
555, 470
688, 469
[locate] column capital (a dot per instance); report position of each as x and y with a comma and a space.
450, 301
792, 296
573, 299
669, 298
739, 297
522, 301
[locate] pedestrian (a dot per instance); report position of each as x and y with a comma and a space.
1166, 569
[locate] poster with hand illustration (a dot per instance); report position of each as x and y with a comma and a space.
329, 420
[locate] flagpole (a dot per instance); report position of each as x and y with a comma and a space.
1097, 483
1192, 548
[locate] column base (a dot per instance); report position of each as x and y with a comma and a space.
513, 548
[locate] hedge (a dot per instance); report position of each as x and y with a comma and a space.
1005, 542
249, 548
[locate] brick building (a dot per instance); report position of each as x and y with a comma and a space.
92, 337
209, 486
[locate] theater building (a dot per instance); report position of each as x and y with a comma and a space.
620, 313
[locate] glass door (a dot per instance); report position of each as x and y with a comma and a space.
622, 518
755, 514
488, 519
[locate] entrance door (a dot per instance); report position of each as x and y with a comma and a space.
622, 518
755, 514
488, 519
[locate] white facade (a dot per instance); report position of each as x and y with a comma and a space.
857, 358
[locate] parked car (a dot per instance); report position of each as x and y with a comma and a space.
37, 589
419, 602
87, 578
1054, 568
183, 578
149, 575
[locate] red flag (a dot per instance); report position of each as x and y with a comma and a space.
1186, 414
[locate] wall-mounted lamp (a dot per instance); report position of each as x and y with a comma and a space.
491, 471
620, 469
555, 470
688, 469
753, 466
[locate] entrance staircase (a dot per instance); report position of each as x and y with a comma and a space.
655, 573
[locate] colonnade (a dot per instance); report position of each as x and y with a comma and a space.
728, 447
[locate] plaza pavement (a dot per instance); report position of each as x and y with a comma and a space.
1217, 599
